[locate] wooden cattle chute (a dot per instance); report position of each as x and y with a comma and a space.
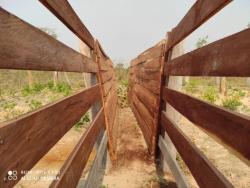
26, 139
227, 57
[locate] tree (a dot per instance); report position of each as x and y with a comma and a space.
201, 42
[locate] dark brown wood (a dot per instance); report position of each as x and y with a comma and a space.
227, 57
148, 98
231, 128
144, 112
205, 174
26, 47
199, 13
141, 122
152, 85
64, 12
72, 169
28, 138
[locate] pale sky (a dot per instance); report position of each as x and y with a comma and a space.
125, 28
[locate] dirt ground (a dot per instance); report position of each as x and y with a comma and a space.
134, 168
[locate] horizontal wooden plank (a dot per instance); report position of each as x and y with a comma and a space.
205, 174
73, 167
101, 50
148, 98
152, 85
199, 13
94, 175
64, 12
227, 57
172, 163
152, 53
148, 74
144, 112
28, 138
141, 123
106, 75
26, 47
231, 128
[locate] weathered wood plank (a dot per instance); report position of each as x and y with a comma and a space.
148, 98
94, 173
141, 122
29, 137
231, 128
107, 87
150, 54
227, 57
26, 47
199, 13
175, 169
205, 174
144, 112
152, 85
64, 12
72, 169
106, 76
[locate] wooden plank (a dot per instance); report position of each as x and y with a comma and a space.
227, 57
175, 169
35, 133
26, 47
106, 75
107, 87
144, 129
205, 174
72, 169
94, 173
152, 85
147, 55
144, 112
64, 12
148, 98
148, 74
199, 13
231, 128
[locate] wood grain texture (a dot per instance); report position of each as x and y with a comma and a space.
227, 57
26, 47
72, 169
149, 99
230, 128
205, 174
141, 123
106, 75
172, 163
152, 85
28, 138
150, 54
64, 12
144, 112
199, 13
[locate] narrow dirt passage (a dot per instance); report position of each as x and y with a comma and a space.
134, 168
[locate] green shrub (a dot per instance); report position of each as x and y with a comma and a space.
191, 86
26, 91
9, 105
50, 84
83, 121
238, 92
63, 87
37, 87
231, 103
34, 104
210, 94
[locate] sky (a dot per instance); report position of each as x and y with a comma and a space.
126, 28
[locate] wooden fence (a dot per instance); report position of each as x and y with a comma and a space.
26, 139
227, 57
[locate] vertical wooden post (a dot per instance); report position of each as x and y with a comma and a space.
173, 83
